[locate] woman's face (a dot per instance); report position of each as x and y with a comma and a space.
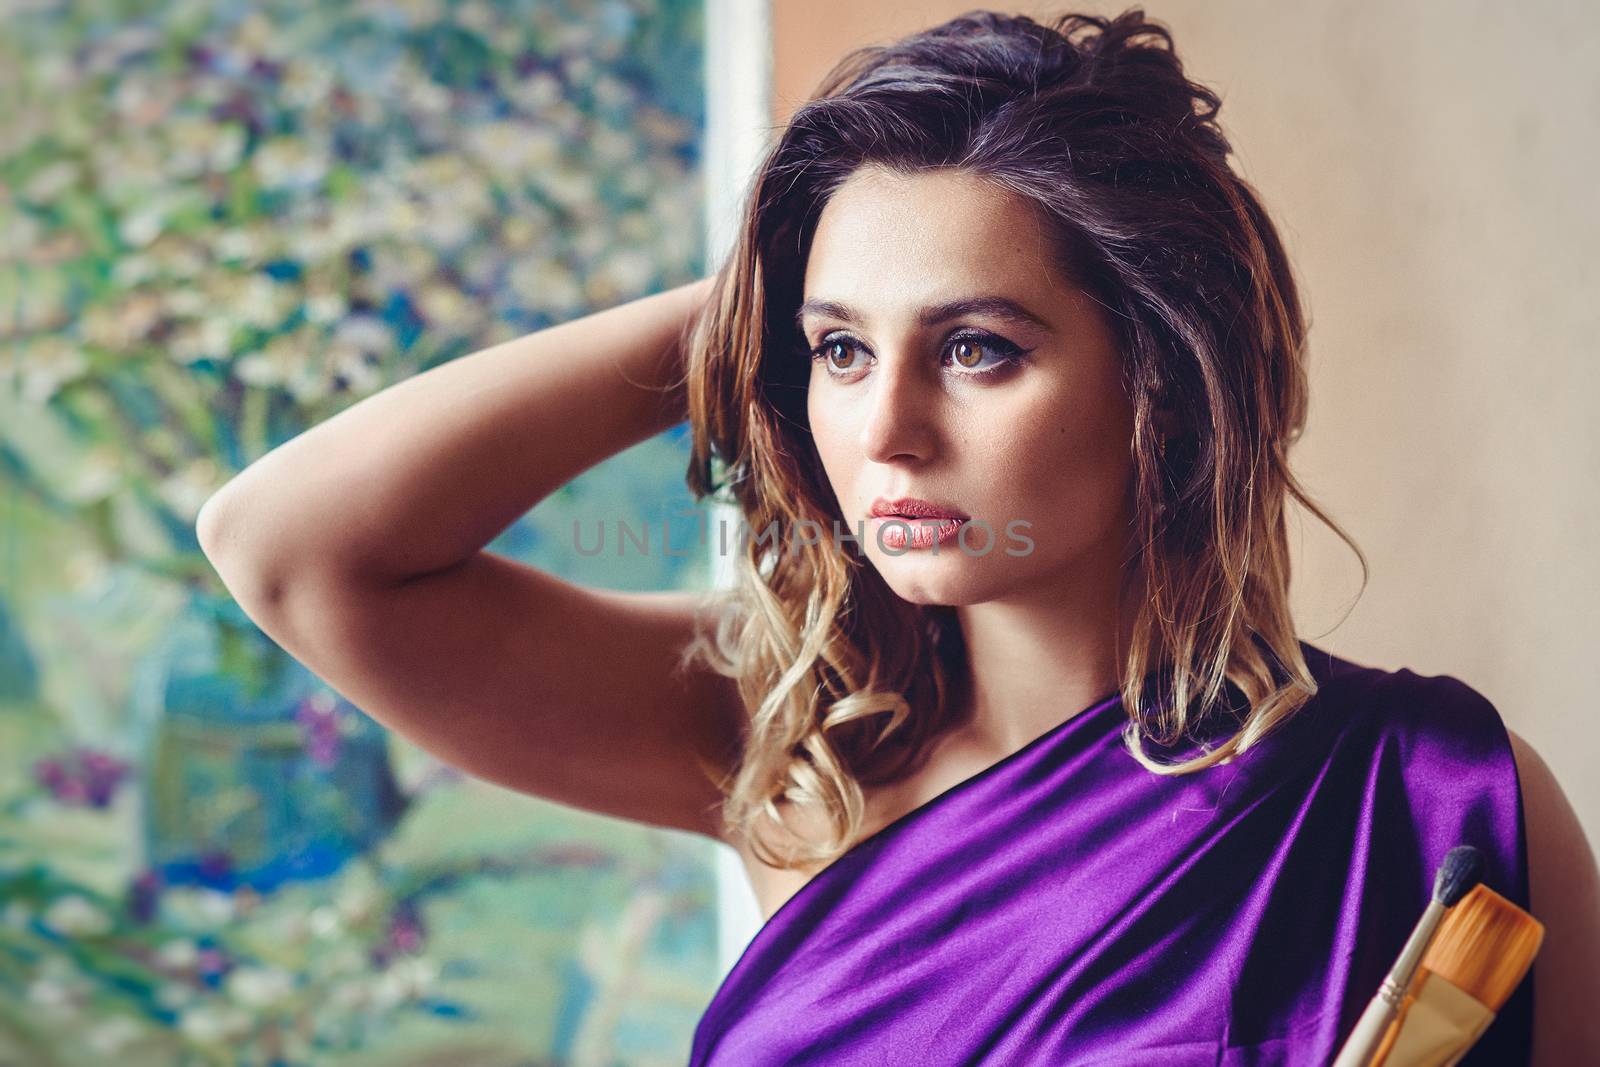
1022, 426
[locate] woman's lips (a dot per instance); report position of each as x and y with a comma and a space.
891, 530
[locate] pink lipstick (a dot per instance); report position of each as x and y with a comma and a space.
929, 522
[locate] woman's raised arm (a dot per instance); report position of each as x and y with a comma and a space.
359, 547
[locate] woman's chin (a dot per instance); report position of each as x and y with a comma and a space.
921, 582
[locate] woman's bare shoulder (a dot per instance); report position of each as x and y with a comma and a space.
1564, 891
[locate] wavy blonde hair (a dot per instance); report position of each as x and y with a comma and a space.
1093, 121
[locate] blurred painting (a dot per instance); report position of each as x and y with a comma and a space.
220, 224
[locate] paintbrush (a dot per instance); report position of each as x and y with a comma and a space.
1479, 955
1461, 870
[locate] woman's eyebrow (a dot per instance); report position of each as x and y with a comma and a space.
998, 307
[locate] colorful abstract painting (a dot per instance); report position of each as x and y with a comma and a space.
222, 223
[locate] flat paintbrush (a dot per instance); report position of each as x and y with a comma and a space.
1478, 957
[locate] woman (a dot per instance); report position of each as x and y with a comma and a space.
1005, 714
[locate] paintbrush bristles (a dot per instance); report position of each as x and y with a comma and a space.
1461, 870
1484, 946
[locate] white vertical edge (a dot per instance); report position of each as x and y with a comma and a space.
738, 79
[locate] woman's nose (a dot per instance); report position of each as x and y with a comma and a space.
900, 408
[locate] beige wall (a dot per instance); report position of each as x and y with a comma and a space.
1431, 167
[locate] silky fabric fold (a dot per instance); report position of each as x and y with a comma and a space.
1067, 907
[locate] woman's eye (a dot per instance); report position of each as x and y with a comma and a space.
828, 350
969, 351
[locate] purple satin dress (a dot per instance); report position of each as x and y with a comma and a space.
1067, 907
